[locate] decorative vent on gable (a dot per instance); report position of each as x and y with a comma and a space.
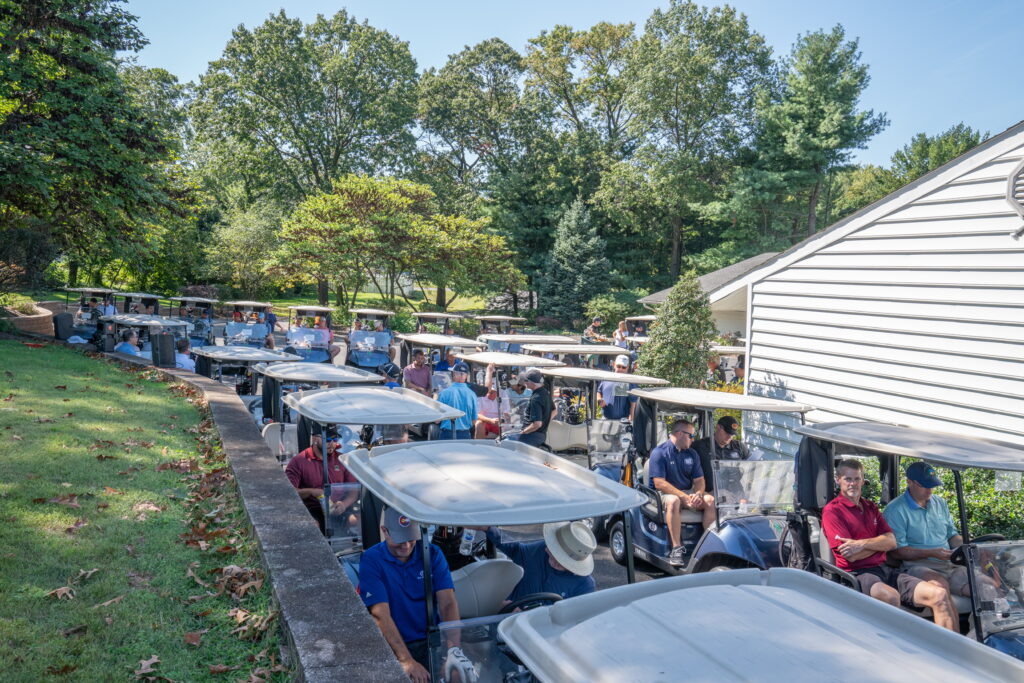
1015, 194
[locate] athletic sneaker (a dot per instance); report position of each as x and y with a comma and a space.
676, 556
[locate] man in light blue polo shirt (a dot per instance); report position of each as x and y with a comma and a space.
391, 586
460, 397
926, 535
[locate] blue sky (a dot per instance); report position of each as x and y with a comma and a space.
933, 64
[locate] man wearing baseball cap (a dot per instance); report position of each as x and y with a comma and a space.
926, 535
592, 332
538, 411
391, 587
614, 397
723, 445
458, 395
305, 471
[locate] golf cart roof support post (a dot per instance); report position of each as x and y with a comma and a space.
591, 413
627, 532
497, 389
326, 497
968, 556
428, 579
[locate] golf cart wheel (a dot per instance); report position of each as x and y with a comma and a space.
724, 564
617, 542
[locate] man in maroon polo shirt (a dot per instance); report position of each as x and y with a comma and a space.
859, 537
306, 473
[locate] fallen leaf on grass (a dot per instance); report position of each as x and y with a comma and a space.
84, 575
61, 387
62, 593
79, 523
62, 671
190, 573
222, 668
15, 437
71, 500
130, 549
112, 491
37, 501
74, 631
146, 665
102, 506
194, 637
43, 419
110, 622
110, 602
9, 397
128, 471
139, 580
101, 457
69, 414
101, 443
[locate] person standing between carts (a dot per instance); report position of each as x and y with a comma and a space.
391, 587
182, 357
614, 397
538, 411
674, 471
592, 332
459, 396
860, 537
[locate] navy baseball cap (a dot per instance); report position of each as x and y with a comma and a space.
390, 369
924, 474
460, 367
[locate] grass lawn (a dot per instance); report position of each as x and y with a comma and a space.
116, 506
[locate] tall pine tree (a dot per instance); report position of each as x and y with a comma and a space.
578, 269
680, 339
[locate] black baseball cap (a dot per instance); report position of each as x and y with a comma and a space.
729, 424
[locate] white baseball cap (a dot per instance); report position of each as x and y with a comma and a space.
622, 359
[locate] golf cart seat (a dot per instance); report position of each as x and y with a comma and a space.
686, 515
562, 436
282, 439
481, 587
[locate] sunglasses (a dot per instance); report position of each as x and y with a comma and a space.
689, 434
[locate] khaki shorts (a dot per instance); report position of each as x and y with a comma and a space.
667, 498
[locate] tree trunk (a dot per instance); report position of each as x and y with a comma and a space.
812, 209
677, 248
73, 274
321, 291
339, 295
441, 299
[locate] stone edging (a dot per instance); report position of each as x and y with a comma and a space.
39, 323
330, 632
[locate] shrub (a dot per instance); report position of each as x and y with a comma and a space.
615, 306
680, 340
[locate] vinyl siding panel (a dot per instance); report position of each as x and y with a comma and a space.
915, 317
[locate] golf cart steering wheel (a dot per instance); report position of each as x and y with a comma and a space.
530, 601
958, 556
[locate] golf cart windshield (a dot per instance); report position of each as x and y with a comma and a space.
369, 349
1003, 563
308, 338
342, 518
762, 487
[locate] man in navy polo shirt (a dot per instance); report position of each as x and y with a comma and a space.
860, 537
562, 563
391, 586
674, 470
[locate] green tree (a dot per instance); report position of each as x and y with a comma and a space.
680, 339
578, 269
812, 128
925, 153
240, 251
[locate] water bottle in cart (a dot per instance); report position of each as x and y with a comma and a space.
466, 546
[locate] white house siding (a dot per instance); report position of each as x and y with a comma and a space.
915, 317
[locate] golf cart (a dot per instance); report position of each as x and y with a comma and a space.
998, 623
86, 317
137, 303
434, 345
363, 415
211, 361
197, 311
639, 325
502, 324
741, 488
304, 338
597, 356
748, 625
443, 321
247, 325
454, 484
729, 359
157, 335
369, 340
513, 343
505, 364
281, 379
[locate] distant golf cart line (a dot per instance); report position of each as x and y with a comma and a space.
501, 324
512, 343
741, 538
745, 625
131, 300
281, 378
503, 359
442, 320
212, 360
479, 483
581, 349
996, 623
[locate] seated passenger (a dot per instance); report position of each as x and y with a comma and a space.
108, 307
562, 563
129, 343
925, 535
674, 471
723, 445
416, 375
614, 397
392, 372
305, 471
859, 537
182, 358
447, 363
489, 411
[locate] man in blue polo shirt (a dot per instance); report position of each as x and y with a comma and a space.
926, 535
391, 586
562, 563
614, 397
460, 397
674, 470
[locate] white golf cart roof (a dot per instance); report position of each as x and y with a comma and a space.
93, 290
499, 318
143, 320
729, 350
436, 315
439, 340
369, 405
951, 450
528, 338
743, 625
137, 295
243, 354
589, 375
479, 482
639, 339
370, 311
707, 400
584, 349
248, 304
316, 372
318, 309
643, 318
507, 360
200, 299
